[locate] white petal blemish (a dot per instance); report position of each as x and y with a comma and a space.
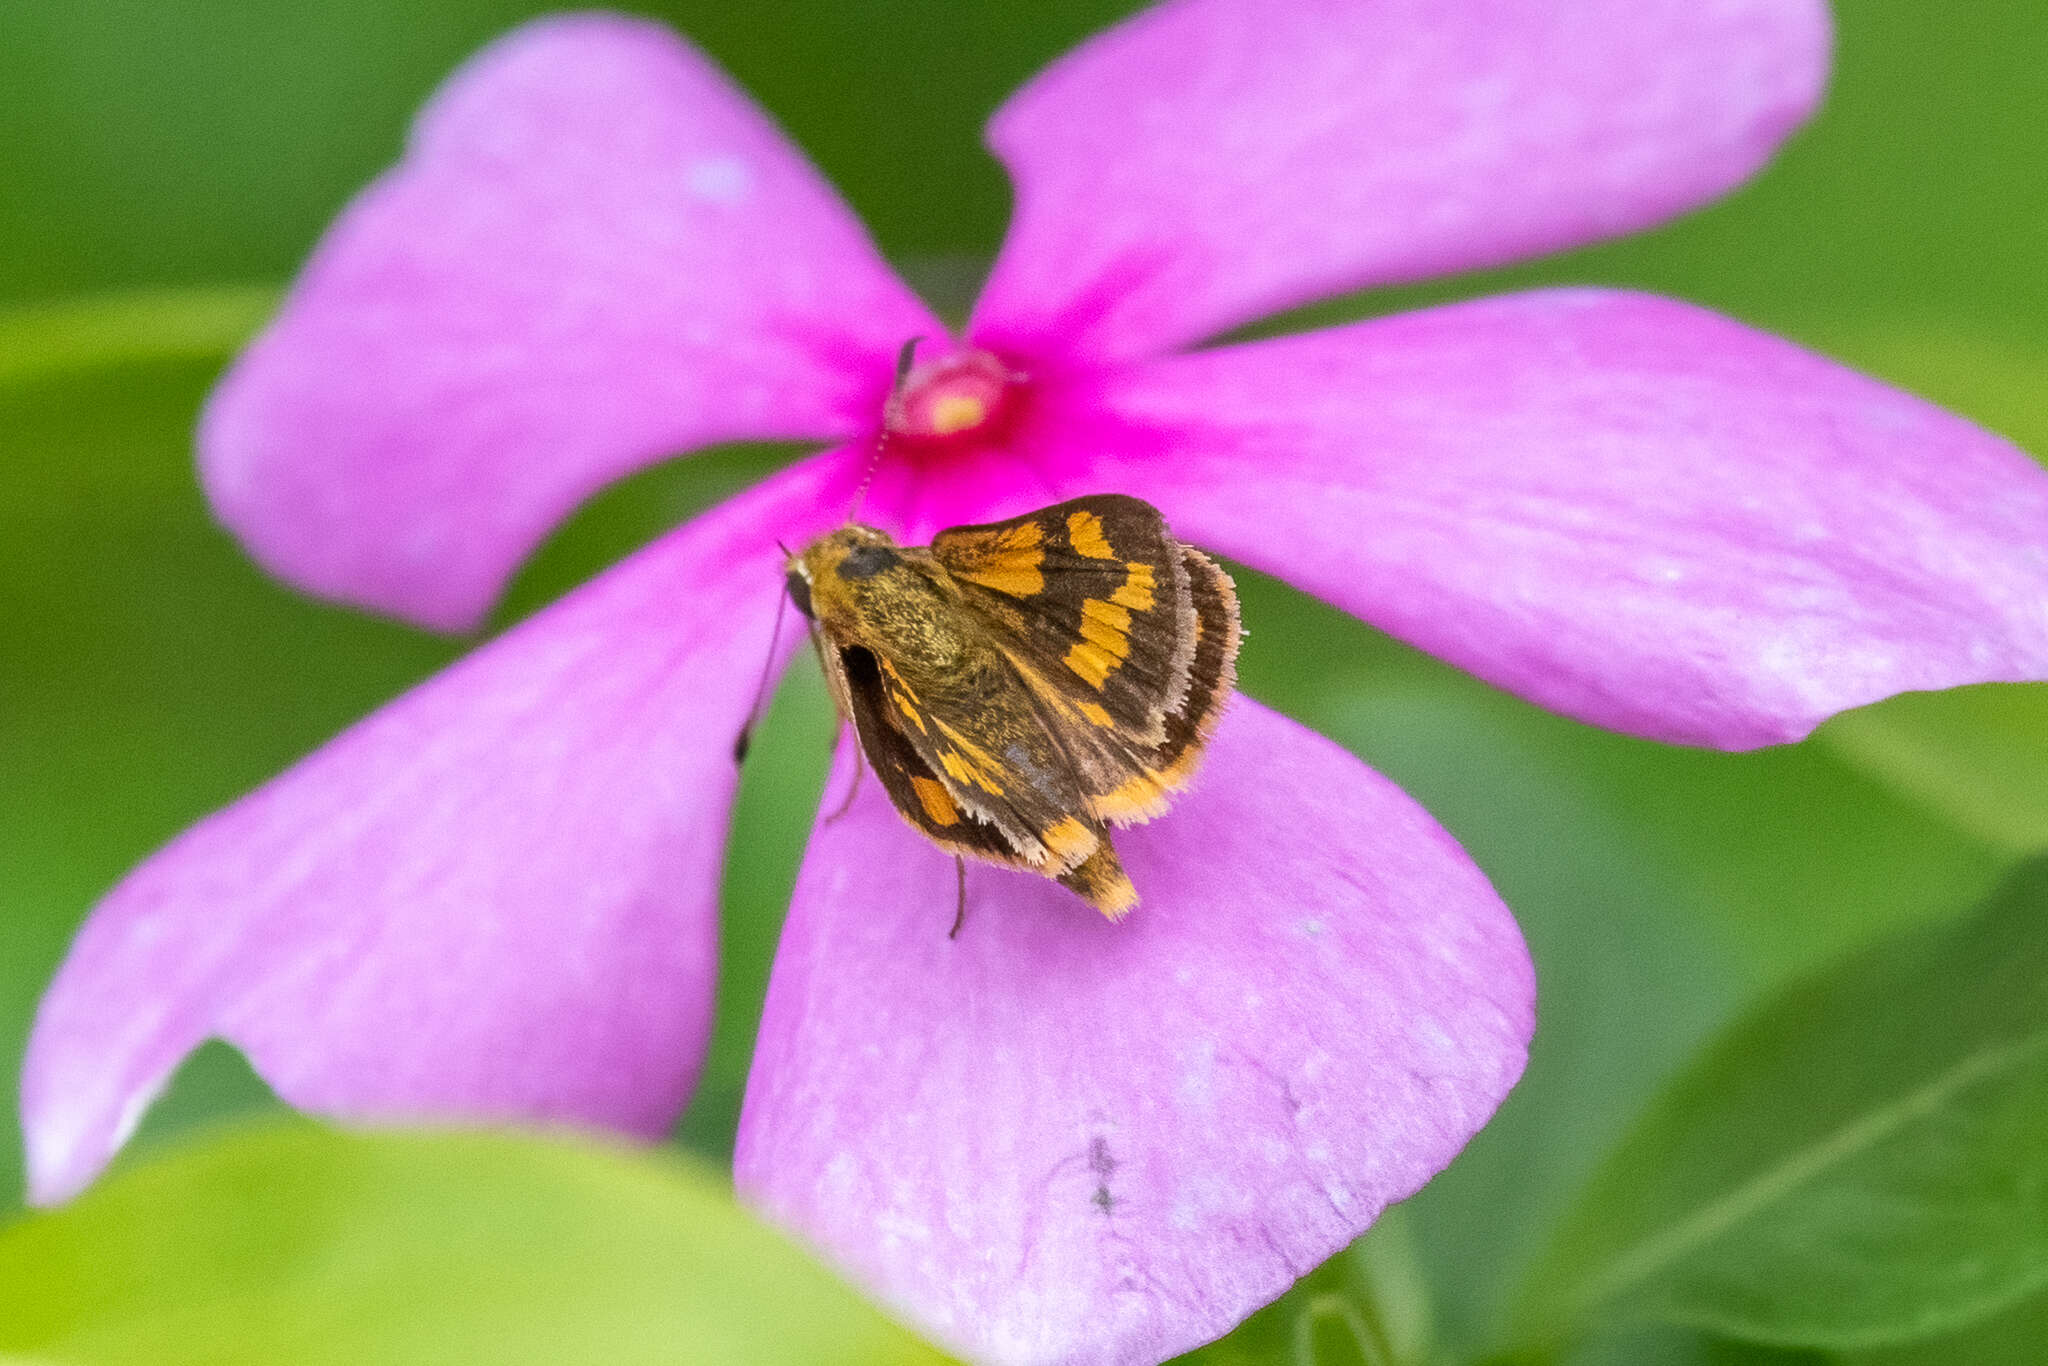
719, 180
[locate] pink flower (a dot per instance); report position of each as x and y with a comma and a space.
1052, 1139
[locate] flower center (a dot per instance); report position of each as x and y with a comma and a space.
969, 395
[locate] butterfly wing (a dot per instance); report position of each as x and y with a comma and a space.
965, 758
1126, 638
1092, 595
914, 788
1213, 675
953, 810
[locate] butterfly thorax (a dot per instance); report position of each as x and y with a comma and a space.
862, 589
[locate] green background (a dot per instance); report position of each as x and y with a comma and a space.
163, 167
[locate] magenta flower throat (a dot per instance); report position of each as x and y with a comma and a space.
1052, 1139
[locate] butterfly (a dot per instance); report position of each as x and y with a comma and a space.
1021, 687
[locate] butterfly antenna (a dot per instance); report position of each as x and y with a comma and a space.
905, 358
960, 903
746, 735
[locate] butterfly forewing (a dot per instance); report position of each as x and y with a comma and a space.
1094, 594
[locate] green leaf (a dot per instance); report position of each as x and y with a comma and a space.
1862, 1161
104, 330
301, 1244
1366, 1306
1993, 380
1663, 1344
1976, 755
2011, 1338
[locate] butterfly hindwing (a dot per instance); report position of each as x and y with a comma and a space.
970, 731
1093, 594
916, 791
1218, 630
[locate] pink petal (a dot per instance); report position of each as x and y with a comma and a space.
596, 253
1215, 161
495, 898
1058, 1139
1629, 510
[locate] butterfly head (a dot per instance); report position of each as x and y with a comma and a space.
828, 579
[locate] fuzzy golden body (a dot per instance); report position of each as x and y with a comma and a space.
1023, 686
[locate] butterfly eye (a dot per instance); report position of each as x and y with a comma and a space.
800, 591
866, 561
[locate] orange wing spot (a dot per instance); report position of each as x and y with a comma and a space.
936, 801
1137, 799
1084, 533
899, 693
1110, 614
968, 762
1017, 574
1023, 536
1093, 663
1100, 879
1136, 590
958, 768
1069, 840
1097, 715
1102, 629
1007, 561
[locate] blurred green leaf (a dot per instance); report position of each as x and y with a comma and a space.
1864, 1160
1367, 1306
2016, 1337
44, 340
1666, 1344
212, 139
1979, 756
304, 1245
1996, 381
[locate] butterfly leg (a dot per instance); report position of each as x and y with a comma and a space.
859, 767
960, 906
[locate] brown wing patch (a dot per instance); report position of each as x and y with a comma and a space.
1218, 632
